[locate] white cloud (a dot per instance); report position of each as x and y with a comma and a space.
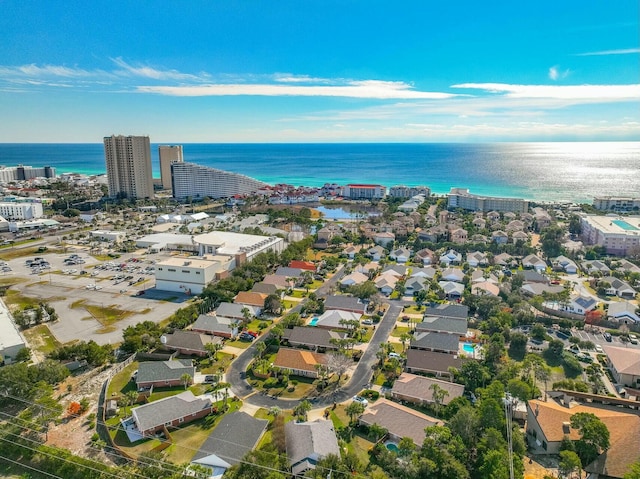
150, 72
602, 93
623, 51
553, 73
371, 89
33, 70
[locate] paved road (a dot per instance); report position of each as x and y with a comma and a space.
361, 375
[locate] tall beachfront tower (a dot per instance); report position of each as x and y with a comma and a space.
128, 161
168, 155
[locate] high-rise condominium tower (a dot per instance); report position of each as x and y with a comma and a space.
128, 161
168, 155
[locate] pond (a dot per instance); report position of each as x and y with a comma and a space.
345, 212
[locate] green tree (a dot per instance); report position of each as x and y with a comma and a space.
354, 410
518, 346
634, 471
186, 380
594, 436
438, 395
212, 350
377, 432
569, 463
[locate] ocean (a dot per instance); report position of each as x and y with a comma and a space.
569, 171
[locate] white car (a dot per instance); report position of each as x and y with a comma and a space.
90, 286
599, 349
361, 400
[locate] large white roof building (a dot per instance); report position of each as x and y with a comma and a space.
617, 234
11, 341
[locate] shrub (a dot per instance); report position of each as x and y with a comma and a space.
370, 394
262, 325
271, 383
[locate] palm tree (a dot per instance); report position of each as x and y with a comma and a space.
302, 409
354, 409
377, 432
212, 350
405, 338
438, 394
186, 379
130, 398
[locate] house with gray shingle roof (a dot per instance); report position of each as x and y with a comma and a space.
447, 310
419, 389
622, 311
190, 342
310, 337
452, 290
164, 373
346, 303
308, 442
172, 411
415, 284
430, 362
619, 288
216, 325
235, 435
595, 266
443, 324
332, 319
234, 310
439, 342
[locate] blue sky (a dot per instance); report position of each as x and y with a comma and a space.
319, 71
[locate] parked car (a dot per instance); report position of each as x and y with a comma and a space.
210, 379
394, 355
608, 337
599, 349
245, 337
367, 321
361, 400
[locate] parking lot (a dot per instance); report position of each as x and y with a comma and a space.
71, 282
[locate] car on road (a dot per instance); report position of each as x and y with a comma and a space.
361, 400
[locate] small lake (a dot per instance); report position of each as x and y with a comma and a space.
345, 212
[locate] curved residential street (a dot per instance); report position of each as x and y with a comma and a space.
359, 379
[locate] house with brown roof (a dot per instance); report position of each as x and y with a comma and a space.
430, 362
419, 389
190, 342
250, 299
312, 338
624, 364
548, 423
299, 362
400, 421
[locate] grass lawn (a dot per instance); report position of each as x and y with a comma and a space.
238, 344
298, 293
121, 382
40, 338
414, 309
398, 331
223, 362
255, 325
365, 338
9, 252
287, 304
315, 285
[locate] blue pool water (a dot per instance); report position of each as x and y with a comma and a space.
468, 348
313, 322
392, 446
624, 225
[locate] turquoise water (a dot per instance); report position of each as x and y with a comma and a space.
624, 225
468, 348
572, 171
392, 446
313, 322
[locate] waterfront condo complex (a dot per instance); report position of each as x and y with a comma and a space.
461, 198
128, 160
196, 181
618, 235
168, 154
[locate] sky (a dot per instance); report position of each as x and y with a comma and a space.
220, 71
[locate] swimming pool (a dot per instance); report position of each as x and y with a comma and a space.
468, 348
392, 446
313, 322
624, 225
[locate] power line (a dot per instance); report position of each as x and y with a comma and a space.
30, 467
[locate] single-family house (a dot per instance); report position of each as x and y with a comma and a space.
216, 326
458, 235
433, 363
452, 289
386, 283
624, 364
443, 324
619, 288
397, 270
384, 238
237, 310
627, 266
438, 342
595, 266
345, 303
419, 389
173, 411
312, 338
534, 262
549, 423
308, 442
288, 272
499, 237
537, 289
399, 421
485, 288
519, 236
453, 274
504, 259
248, 298
480, 276
415, 284
515, 225
451, 257
447, 310
368, 268
623, 312
565, 264
350, 251
337, 319
493, 216
400, 255
299, 362
303, 265
353, 279
426, 256
376, 253
264, 288
235, 435
428, 272
190, 342
477, 258
164, 373
282, 282
479, 223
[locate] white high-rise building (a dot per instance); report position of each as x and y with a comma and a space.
168, 154
128, 160
197, 182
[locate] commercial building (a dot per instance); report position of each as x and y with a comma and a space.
364, 192
196, 181
402, 191
237, 244
461, 198
187, 275
21, 210
22, 173
616, 234
168, 155
11, 341
618, 204
128, 160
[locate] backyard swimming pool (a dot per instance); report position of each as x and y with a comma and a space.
313, 322
468, 348
392, 446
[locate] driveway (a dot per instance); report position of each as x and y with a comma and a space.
360, 378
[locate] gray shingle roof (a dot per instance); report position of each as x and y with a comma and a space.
234, 310
152, 371
307, 442
235, 435
163, 411
435, 341
457, 326
213, 324
348, 303
301, 335
432, 361
190, 340
448, 310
